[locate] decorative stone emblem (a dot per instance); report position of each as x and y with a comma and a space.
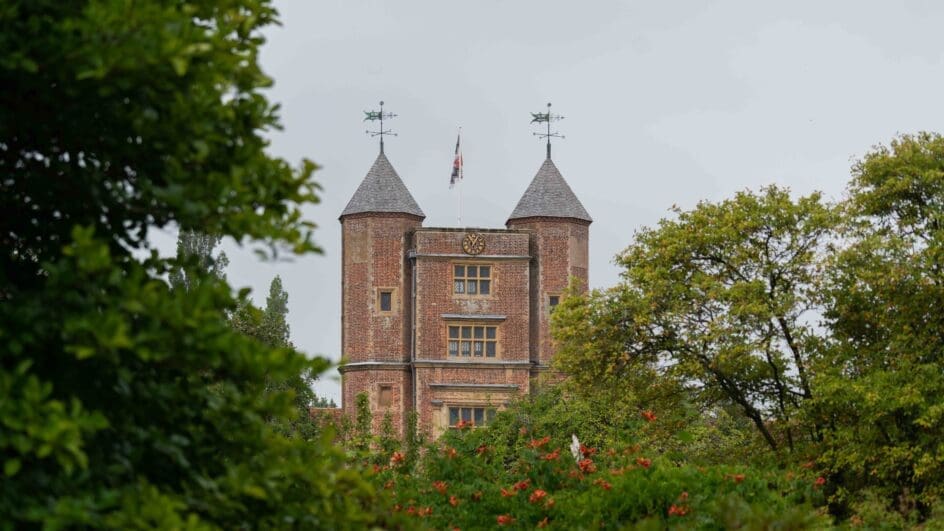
473, 243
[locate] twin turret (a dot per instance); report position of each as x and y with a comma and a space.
405, 320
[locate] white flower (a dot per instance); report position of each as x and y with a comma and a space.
575, 447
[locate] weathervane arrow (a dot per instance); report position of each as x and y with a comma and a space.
547, 117
379, 115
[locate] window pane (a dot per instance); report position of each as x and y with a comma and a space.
471, 271
465, 348
490, 332
479, 416
385, 301
460, 271
489, 415
453, 416
453, 332
478, 349
479, 332
490, 349
554, 300
453, 348
484, 287
460, 286
466, 332
467, 414
484, 271
472, 286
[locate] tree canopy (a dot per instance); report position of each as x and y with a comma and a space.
123, 402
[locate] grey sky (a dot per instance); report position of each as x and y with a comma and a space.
666, 103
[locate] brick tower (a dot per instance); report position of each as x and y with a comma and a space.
376, 227
452, 323
559, 227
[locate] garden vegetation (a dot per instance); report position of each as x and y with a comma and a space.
769, 361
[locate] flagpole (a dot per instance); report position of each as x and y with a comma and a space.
461, 176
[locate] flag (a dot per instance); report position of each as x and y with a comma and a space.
456, 165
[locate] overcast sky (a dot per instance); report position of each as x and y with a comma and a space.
665, 103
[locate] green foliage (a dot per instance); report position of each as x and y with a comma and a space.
363, 420
195, 252
879, 385
718, 297
465, 483
125, 403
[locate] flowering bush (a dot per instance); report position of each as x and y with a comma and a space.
464, 483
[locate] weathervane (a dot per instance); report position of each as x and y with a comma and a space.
547, 117
379, 115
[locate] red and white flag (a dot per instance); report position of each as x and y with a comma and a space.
456, 165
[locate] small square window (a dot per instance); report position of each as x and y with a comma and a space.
386, 301
553, 301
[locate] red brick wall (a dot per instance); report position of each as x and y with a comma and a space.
508, 254
373, 257
562, 250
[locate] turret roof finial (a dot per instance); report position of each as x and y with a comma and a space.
379, 115
547, 117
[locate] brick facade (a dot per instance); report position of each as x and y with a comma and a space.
403, 358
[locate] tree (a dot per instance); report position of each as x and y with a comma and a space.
125, 403
720, 297
195, 252
879, 385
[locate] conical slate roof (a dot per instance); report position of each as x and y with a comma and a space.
549, 196
382, 191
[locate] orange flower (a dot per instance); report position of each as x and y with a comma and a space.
678, 510
649, 415
537, 443
523, 430
481, 449
397, 508
410, 510
522, 485
576, 473
543, 523
451, 452
396, 458
507, 493
643, 462
551, 456
389, 484
683, 497
605, 485
425, 512
820, 481
738, 478
549, 503
807, 465
377, 469
617, 471
586, 451
537, 496
440, 486
505, 519
453, 501
587, 466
